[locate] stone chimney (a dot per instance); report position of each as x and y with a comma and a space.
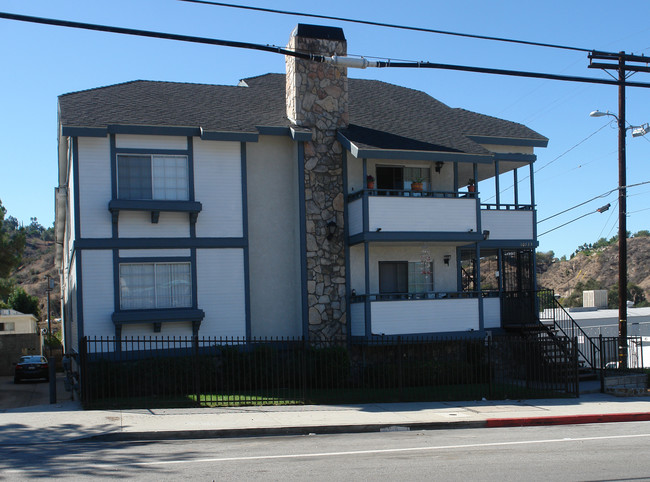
317, 99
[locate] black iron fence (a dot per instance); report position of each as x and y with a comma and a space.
176, 372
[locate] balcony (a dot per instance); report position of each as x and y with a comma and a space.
392, 215
423, 313
509, 222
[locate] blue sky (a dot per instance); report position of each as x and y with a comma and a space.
41, 62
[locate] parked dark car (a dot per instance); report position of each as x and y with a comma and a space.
31, 367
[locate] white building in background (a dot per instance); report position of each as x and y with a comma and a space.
297, 204
14, 322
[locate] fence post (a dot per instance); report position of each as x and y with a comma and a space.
488, 344
602, 364
400, 381
575, 365
303, 374
83, 376
197, 369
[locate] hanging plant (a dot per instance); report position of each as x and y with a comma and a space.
425, 260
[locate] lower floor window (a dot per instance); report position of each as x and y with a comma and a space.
155, 285
405, 277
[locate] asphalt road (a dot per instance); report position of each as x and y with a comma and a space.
28, 393
578, 452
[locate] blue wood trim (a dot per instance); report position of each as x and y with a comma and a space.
462, 236
442, 335
456, 183
154, 130
303, 239
366, 304
300, 134
481, 316
273, 131
70, 131
190, 175
116, 279
509, 243
112, 141
229, 136
509, 141
432, 156
515, 157
75, 192
158, 315
497, 184
159, 243
516, 186
155, 259
247, 284
154, 205
80, 304
195, 282
459, 271
346, 247
150, 151
365, 202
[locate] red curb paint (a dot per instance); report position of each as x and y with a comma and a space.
568, 419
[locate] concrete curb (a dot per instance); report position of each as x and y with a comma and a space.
567, 420
371, 428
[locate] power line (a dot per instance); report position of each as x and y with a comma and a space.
599, 210
388, 25
605, 194
312, 57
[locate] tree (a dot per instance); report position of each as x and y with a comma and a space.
634, 293
19, 300
644, 233
12, 244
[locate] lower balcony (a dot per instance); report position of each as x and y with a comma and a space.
428, 313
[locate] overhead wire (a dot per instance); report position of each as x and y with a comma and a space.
388, 25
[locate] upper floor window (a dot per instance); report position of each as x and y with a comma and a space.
152, 177
155, 286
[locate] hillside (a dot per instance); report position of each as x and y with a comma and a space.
600, 265
38, 261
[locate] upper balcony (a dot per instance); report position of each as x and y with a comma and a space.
393, 215
406, 215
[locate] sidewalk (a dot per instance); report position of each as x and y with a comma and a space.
68, 422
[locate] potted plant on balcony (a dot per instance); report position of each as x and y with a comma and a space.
416, 184
370, 181
471, 185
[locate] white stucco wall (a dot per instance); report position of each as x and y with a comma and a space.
274, 237
94, 187
507, 224
98, 298
137, 224
424, 316
220, 293
218, 187
135, 141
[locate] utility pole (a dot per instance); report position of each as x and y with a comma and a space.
49, 321
617, 62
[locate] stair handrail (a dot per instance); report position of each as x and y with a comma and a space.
575, 327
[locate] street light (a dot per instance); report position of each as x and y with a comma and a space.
622, 223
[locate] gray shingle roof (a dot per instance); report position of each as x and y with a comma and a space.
382, 115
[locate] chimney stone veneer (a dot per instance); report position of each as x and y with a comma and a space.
317, 99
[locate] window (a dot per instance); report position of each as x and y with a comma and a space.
155, 286
152, 177
416, 174
8, 326
420, 277
405, 277
401, 178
